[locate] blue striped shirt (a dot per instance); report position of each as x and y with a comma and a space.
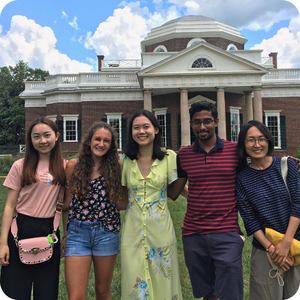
263, 198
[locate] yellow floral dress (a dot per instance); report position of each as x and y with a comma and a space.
149, 256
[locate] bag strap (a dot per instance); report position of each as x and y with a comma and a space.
59, 204
284, 172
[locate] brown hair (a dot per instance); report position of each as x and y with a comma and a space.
110, 168
31, 160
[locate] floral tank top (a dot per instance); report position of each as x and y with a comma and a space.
96, 207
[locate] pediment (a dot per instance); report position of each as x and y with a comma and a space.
223, 62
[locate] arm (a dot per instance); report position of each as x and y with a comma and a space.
9, 209
176, 187
67, 199
122, 205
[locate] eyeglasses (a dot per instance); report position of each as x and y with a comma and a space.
197, 123
251, 141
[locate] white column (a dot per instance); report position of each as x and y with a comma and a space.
147, 99
257, 104
221, 112
248, 106
184, 117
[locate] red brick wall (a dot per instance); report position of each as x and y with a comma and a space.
91, 112
178, 44
290, 108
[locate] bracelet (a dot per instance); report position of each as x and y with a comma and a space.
64, 237
269, 247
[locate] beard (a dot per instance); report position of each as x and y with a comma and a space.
204, 138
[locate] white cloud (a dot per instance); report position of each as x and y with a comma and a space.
252, 15
74, 23
119, 36
287, 43
64, 15
35, 44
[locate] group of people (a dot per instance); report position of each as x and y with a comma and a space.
222, 180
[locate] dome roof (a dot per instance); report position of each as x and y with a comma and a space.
192, 26
188, 18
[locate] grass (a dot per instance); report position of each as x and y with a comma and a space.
177, 210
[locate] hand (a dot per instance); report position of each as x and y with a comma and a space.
4, 255
280, 253
63, 247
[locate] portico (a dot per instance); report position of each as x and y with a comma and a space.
178, 73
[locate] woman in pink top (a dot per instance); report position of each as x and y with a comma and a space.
33, 186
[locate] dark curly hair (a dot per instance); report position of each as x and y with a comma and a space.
110, 167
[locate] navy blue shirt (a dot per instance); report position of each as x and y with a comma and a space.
263, 199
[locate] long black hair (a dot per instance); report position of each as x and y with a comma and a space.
132, 148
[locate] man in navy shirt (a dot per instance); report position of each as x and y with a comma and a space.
211, 234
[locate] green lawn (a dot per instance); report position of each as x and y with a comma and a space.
177, 210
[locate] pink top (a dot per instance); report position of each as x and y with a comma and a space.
38, 199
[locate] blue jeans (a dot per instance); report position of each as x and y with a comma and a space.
91, 238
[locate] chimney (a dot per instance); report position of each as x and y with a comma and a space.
100, 58
274, 55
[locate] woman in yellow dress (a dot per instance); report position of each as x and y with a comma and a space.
149, 256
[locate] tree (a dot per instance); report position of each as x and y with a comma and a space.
12, 110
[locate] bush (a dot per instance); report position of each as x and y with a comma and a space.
7, 162
297, 154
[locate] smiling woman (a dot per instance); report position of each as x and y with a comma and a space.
91, 218
264, 201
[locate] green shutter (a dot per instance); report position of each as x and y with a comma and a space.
168, 131
124, 132
104, 120
241, 120
228, 126
60, 126
79, 130
283, 131
178, 131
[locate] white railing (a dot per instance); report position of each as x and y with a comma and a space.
93, 78
125, 63
267, 60
35, 86
282, 75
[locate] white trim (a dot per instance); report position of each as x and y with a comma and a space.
234, 110
162, 112
70, 118
160, 46
52, 117
274, 113
195, 41
202, 69
231, 45
116, 116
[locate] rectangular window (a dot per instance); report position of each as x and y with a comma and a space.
115, 121
272, 121
234, 123
70, 128
71, 131
160, 115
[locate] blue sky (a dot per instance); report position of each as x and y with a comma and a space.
66, 36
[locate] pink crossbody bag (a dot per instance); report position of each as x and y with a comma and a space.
40, 249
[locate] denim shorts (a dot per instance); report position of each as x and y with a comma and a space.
86, 239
